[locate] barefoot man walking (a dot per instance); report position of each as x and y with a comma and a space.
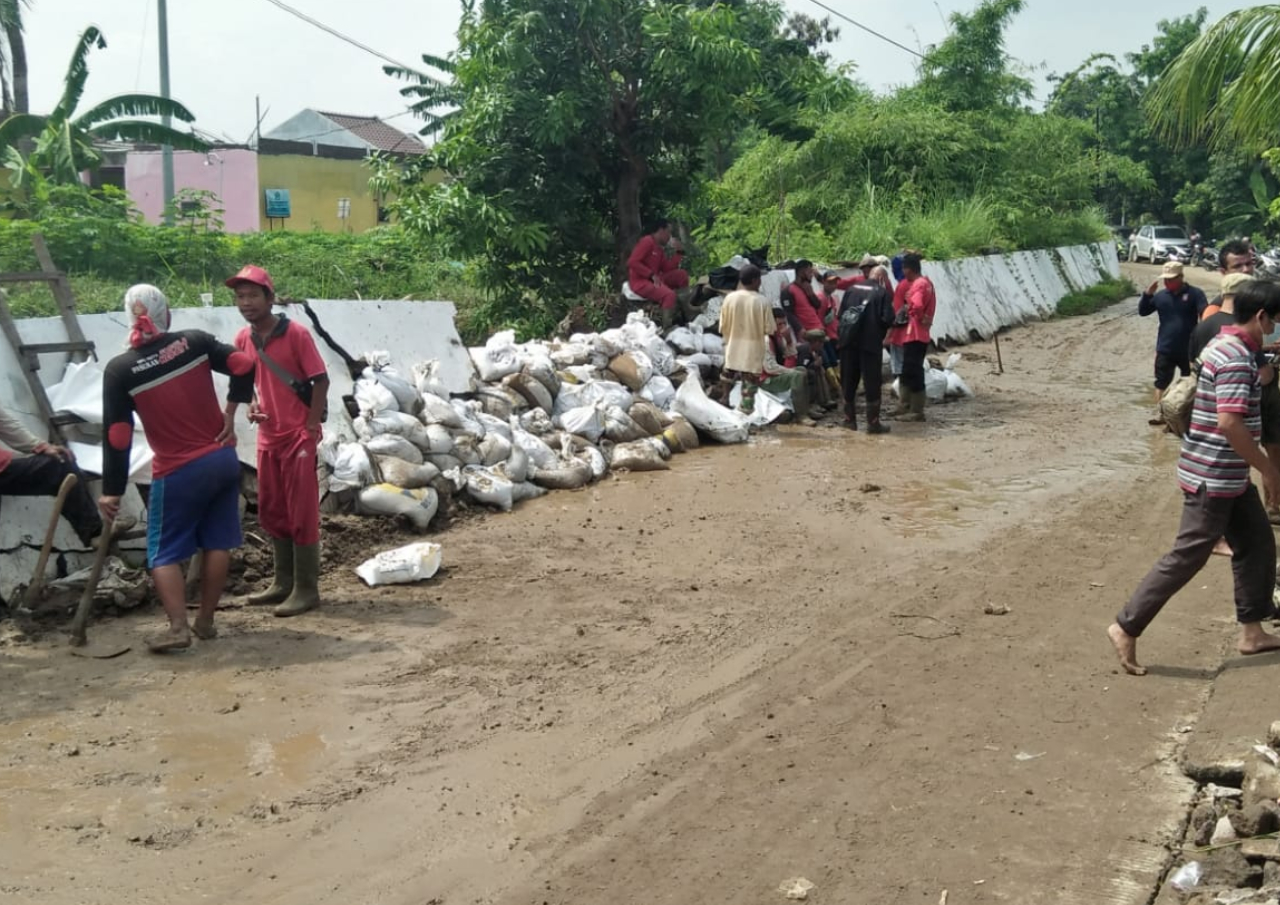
1220, 447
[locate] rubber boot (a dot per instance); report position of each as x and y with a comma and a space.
874, 426
833, 379
913, 408
851, 416
668, 316
904, 403
282, 581
917, 405
686, 299
306, 582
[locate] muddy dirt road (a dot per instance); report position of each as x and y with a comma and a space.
771, 662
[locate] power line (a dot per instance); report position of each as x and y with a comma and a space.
854, 22
337, 34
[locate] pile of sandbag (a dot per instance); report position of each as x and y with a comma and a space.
941, 384
538, 416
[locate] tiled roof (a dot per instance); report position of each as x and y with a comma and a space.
377, 133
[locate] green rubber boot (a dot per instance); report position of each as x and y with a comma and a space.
282, 581
306, 582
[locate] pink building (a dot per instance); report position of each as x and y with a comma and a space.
230, 173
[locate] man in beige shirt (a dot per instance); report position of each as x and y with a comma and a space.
746, 319
41, 472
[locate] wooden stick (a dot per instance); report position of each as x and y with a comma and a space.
78, 637
32, 594
999, 360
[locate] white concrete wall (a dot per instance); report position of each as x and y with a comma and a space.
981, 295
411, 331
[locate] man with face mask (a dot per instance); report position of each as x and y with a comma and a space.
1179, 305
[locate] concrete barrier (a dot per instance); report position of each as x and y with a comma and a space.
411, 331
978, 296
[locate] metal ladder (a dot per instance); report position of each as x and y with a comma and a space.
28, 354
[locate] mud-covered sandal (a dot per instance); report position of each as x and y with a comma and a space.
204, 630
163, 642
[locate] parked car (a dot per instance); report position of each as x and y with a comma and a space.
1154, 243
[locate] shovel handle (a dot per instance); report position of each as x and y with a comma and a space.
32, 595
78, 637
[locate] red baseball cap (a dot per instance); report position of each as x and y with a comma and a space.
253, 274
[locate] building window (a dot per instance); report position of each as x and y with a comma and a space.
344, 208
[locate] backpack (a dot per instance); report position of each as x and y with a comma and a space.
850, 324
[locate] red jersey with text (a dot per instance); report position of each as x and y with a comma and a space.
294, 350
169, 383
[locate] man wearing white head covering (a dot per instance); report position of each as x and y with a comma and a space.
167, 380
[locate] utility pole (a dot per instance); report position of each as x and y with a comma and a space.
166, 151
257, 121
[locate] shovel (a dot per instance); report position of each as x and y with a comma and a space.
31, 596
79, 641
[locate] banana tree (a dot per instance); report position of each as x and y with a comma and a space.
64, 139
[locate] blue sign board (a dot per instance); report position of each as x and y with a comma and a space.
277, 204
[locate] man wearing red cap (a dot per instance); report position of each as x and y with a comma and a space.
291, 387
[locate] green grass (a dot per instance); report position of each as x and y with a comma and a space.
1095, 298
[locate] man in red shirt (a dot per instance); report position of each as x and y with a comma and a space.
914, 305
655, 275
291, 386
167, 380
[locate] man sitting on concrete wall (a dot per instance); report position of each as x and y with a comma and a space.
41, 472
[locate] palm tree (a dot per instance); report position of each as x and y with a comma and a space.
1225, 85
432, 92
64, 139
13, 55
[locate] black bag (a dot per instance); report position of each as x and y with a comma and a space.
902, 316
850, 325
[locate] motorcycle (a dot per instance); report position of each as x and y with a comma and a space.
1268, 264
1209, 258
1179, 253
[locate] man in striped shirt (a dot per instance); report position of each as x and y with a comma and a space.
1220, 447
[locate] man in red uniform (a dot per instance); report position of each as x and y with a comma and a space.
655, 275
914, 305
291, 388
194, 504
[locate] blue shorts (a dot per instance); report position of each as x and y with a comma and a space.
195, 508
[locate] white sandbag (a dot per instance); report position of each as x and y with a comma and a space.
394, 445
680, 436
372, 397
488, 487
352, 467
403, 565
466, 449
534, 393
406, 474
607, 393
696, 361
386, 422
641, 455
543, 370
716, 421
956, 386
498, 358
610, 344
682, 340
494, 449
768, 407
516, 468
648, 416
426, 379
445, 462
537, 422
468, 422
570, 354
495, 403
585, 421
619, 426
952, 360
571, 397
660, 391
935, 385
567, 475
712, 344
540, 455
439, 440
596, 460
437, 411
526, 490
413, 507
578, 374
662, 356
494, 425
406, 395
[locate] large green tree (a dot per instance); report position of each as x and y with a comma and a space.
13, 59
969, 69
577, 120
64, 140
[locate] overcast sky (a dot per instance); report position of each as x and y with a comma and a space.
224, 53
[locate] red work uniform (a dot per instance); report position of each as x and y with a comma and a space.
288, 486
653, 275
805, 312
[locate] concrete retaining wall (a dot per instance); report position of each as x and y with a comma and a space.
978, 296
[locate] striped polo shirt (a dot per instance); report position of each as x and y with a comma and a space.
1228, 383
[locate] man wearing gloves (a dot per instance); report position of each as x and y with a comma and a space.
167, 379
291, 388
